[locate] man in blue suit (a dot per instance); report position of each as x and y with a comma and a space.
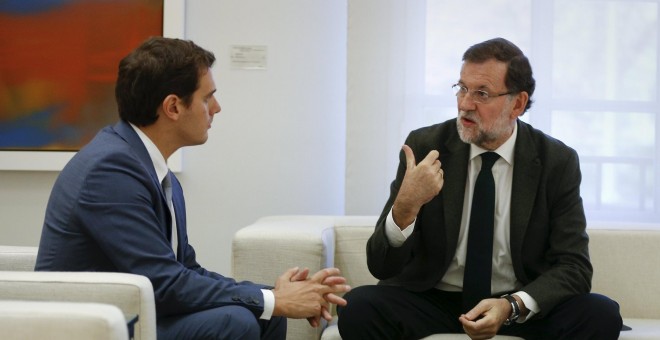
116, 207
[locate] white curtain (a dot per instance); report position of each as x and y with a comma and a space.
595, 62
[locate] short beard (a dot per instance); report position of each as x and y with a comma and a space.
480, 137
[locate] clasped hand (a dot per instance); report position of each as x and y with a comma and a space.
485, 319
299, 296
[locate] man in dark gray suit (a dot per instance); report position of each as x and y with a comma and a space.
536, 278
116, 207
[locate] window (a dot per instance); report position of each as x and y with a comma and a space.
596, 67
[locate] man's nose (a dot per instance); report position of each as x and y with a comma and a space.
466, 103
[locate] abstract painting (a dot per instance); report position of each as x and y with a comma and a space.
58, 66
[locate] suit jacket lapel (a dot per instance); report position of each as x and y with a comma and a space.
126, 132
526, 176
455, 164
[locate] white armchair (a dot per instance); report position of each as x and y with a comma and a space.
132, 294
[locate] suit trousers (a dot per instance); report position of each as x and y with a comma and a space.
227, 322
392, 312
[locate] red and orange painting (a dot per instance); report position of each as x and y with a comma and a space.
58, 66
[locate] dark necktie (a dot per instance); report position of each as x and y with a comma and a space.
479, 257
167, 188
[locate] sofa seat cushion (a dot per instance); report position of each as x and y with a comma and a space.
641, 329
465, 337
332, 333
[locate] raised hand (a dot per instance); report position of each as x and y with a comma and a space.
421, 183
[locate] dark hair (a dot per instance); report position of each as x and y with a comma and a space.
157, 68
519, 72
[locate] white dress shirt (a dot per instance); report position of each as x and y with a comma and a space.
503, 276
160, 165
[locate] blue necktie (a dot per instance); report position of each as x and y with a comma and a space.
479, 257
167, 188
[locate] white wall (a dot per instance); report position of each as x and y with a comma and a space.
277, 147
23, 197
378, 84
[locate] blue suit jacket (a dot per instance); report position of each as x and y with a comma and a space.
107, 212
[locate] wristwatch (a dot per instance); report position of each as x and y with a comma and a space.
515, 309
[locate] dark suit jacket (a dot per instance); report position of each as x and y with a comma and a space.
107, 212
549, 244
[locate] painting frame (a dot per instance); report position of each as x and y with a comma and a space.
173, 27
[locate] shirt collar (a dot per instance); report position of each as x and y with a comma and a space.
505, 150
160, 165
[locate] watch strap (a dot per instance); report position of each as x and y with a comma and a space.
515, 309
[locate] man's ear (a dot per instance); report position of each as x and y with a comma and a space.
520, 102
170, 106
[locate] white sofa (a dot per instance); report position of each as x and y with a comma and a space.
626, 264
132, 294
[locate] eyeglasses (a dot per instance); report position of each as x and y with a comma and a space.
477, 96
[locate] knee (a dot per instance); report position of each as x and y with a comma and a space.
228, 322
370, 314
357, 299
361, 303
275, 328
606, 310
351, 322
239, 324
601, 313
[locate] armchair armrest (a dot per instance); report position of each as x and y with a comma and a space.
17, 258
132, 294
262, 251
61, 321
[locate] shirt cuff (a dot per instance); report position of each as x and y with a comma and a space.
395, 235
530, 304
269, 304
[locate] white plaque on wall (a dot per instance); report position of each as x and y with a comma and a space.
248, 57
